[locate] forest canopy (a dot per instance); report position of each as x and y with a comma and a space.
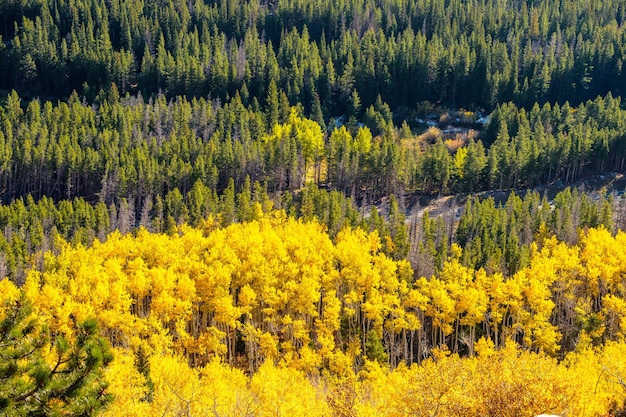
312, 208
476, 53
277, 298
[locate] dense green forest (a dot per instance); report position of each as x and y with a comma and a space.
461, 53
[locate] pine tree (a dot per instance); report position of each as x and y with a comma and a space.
69, 384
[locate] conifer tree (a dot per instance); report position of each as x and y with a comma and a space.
68, 383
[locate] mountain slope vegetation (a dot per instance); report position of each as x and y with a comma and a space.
212, 207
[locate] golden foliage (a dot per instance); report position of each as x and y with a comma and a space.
301, 314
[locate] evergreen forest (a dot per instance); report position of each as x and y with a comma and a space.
312, 208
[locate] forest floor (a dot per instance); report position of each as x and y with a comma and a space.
451, 206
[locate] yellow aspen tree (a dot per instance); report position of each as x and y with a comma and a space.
440, 308
128, 387
473, 302
286, 392
498, 306
226, 392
